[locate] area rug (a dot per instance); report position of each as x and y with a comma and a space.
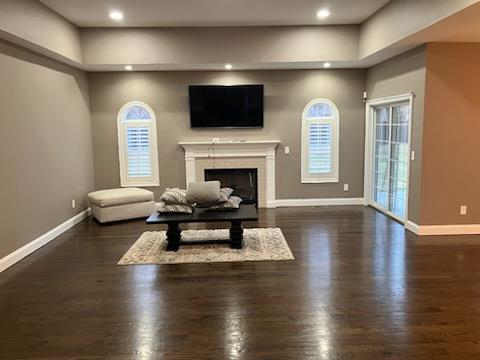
266, 244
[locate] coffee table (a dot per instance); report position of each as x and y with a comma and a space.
235, 217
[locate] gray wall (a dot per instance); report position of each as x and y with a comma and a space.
186, 47
45, 145
35, 26
286, 94
397, 76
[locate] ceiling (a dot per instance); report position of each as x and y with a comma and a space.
141, 13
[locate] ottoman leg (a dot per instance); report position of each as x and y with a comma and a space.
236, 235
174, 234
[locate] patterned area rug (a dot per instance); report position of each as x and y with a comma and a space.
259, 245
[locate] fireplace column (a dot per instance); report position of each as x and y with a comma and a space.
270, 177
190, 168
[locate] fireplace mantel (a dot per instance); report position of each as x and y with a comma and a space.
230, 148
234, 153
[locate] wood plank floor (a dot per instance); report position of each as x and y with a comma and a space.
361, 287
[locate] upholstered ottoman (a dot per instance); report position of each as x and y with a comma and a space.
121, 204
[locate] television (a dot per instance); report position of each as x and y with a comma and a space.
222, 106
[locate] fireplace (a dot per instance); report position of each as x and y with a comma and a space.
244, 182
231, 154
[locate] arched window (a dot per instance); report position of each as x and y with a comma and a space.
320, 135
137, 145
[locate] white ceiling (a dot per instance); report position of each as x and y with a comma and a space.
94, 13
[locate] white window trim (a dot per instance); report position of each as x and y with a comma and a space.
125, 181
320, 178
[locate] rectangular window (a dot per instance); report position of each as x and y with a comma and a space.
391, 156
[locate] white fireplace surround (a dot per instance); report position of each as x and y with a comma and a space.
240, 154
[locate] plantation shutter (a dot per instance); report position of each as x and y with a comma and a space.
319, 147
138, 151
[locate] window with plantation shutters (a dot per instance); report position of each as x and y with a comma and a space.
137, 145
320, 123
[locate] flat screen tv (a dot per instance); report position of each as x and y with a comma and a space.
219, 106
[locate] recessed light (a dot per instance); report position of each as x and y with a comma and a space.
228, 67
128, 67
116, 15
323, 13
326, 65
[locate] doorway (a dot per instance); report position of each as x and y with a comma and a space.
388, 155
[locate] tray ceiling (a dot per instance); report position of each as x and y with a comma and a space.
152, 13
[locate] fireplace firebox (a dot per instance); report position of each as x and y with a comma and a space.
244, 182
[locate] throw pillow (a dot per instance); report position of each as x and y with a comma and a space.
174, 196
232, 203
224, 195
174, 208
205, 192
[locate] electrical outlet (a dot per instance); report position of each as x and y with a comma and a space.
345, 187
287, 149
463, 210
215, 140
74, 204
412, 155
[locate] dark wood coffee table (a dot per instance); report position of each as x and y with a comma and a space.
235, 217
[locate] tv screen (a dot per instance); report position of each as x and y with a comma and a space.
218, 106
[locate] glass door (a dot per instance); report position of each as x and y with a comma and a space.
391, 157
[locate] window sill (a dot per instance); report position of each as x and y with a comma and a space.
319, 181
140, 184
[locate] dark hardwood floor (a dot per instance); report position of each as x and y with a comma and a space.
361, 287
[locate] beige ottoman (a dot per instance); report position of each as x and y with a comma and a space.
121, 204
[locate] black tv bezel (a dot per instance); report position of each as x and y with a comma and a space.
226, 127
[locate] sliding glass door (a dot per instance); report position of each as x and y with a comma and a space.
391, 131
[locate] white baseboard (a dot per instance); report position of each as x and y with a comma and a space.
316, 202
272, 204
44, 239
469, 229
411, 226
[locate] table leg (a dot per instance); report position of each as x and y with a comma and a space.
236, 235
174, 234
